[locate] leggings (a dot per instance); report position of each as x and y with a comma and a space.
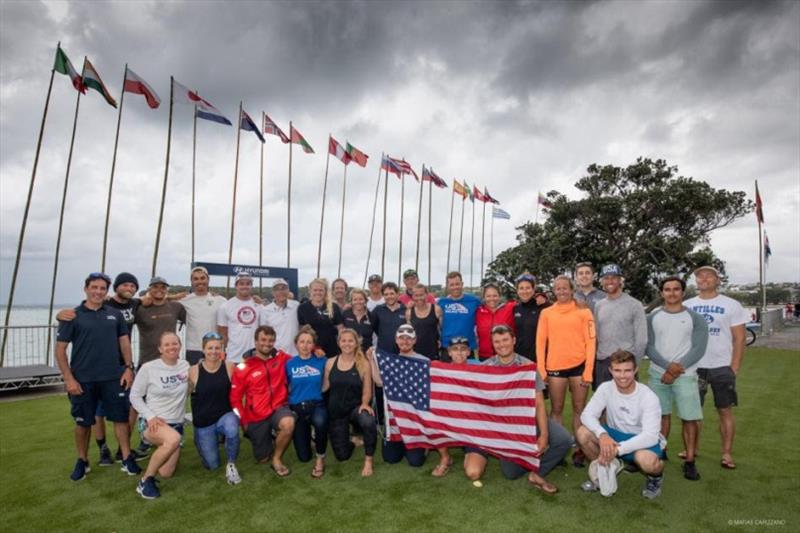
339, 434
310, 414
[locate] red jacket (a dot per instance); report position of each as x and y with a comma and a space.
485, 320
262, 386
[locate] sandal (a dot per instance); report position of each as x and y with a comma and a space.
440, 470
280, 470
727, 463
682, 455
543, 485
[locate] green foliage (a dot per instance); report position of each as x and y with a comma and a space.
644, 217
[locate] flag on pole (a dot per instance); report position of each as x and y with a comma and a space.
767, 249
246, 123
468, 190
297, 138
135, 84
759, 206
544, 202
500, 213
91, 80
460, 189
387, 163
64, 66
273, 129
478, 195
398, 167
429, 175
357, 155
434, 404
338, 151
489, 197
205, 110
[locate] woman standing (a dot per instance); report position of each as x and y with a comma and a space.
323, 315
349, 386
425, 317
526, 316
304, 374
357, 317
158, 395
212, 416
491, 313
565, 344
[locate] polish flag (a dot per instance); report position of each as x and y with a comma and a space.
135, 84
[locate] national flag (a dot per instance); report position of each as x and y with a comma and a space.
357, 155
91, 80
500, 213
297, 138
544, 202
429, 175
478, 195
468, 189
759, 207
64, 66
489, 197
246, 123
135, 84
205, 110
460, 189
337, 150
273, 129
398, 167
434, 404
388, 164
767, 249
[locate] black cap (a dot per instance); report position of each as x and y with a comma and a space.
125, 277
410, 273
375, 277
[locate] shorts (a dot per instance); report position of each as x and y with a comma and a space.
723, 384
602, 372
683, 391
575, 371
260, 433
101, 412
619, 436
142, 424
194, 356
110, 392
470, 449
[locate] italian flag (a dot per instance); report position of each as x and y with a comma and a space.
297, 138
357, 155
135, 84
337, 150
91, 80
64, 66
460, 189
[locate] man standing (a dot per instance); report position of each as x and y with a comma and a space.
201, 313
677, 339
633, 417
238, 318
281, 315
160, 316
410, 280
387, 317
260, 398
584, 280
99, 339
726, 319
458, 314
375, 285
621, 324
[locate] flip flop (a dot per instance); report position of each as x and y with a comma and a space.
317, 472
727, 464
544, 486
440, 470
280, 470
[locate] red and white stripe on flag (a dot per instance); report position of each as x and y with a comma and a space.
135, 84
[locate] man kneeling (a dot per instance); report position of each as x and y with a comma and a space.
633, 415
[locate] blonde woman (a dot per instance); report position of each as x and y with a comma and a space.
323, 315
348, 382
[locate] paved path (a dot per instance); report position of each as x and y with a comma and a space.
785, 339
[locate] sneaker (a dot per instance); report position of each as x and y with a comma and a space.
690, 471
118, 455
80, 470
130, 467
232, 475
630, 467
589, 486
652, 487
143, 450
105, 457
148, 489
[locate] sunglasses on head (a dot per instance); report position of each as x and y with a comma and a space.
212, 335
500, 328
99, 275
458, 340
525, 277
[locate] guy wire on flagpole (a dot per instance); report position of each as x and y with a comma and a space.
450, 229
419, 220
235, 183
261, 215
385, 202
166, 175
461, 235
341, 226
472, 245
61, 222
372, 226
400, 252
25, 216
483, 238
430, 207
113, 166
322, 211
194, 163
289, 204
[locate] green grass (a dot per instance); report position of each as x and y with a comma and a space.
37, 455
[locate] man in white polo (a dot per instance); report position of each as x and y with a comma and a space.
281, 314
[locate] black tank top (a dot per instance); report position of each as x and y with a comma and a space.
210, 396
427, 333
345, 390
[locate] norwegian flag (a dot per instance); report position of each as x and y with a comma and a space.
273, 129
429, 175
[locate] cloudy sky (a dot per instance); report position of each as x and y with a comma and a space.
517, 96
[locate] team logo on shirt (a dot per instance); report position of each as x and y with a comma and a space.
246, 315
305, 372
176, 380
456, 308
111, 317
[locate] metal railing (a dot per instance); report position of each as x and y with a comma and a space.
27, 345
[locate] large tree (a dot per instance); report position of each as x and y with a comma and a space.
644, 217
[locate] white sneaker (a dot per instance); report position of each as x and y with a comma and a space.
232, 475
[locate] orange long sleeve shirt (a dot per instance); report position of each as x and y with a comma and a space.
565, 338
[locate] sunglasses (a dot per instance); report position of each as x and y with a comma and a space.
525, 277
500, 328
212, 335
99, 275
459, 340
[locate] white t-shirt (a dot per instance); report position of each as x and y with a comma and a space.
284, 321
372, 304
721, 314
241, 317
201, 317
160, 390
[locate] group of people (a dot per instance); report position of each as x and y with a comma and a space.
306, 373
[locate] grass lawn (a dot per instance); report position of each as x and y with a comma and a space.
37, 455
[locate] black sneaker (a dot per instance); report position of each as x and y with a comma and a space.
664, 455
652, 487
143, 450
130, 467
690, 471
105, 457
80, 470
630, 467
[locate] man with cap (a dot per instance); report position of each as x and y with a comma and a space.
238, 318
160, 316
281, 314
375, 285
620, 323
410, 280
201, 313
720, 364
584, 281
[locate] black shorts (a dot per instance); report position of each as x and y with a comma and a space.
115, 402
470, 449
602, 372
723, 384
575, 371
261, 433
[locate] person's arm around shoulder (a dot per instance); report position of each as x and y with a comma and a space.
408, 314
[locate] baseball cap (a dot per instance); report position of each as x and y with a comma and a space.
455, 341
125, 277
375, 277
410, 273
611, 269
204, 270
406, 330
280, 282
707, 267
158, 280
242, 276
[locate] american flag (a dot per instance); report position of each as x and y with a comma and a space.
273, 129
435, 404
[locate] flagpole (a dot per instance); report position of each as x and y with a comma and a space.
472, 247
430, 210
322, 212
400, 252
450, 229
289, 204
761, 259
341, 226
235, 183
61, 222
536, 217
491, 240
419, 222
385, 203
194, 164
461, 235
483, 237
372, 227
261, 216
113, 166
166, 175
25, 215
